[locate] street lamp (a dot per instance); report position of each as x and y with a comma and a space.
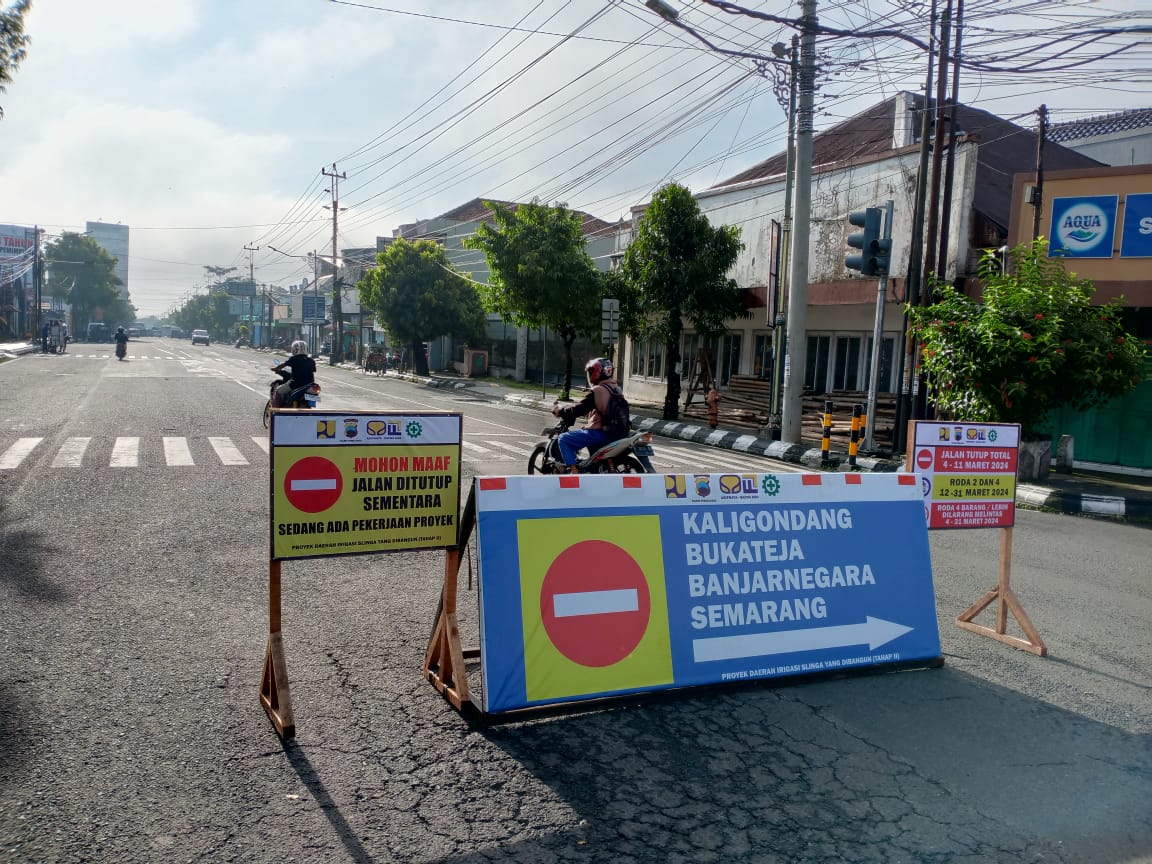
312, 258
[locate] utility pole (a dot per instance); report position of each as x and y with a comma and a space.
906, 370
252, 297
1038, 190
337, 355
792, 409
779, 319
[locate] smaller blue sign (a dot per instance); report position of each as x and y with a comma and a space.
1136, 241
1083, 227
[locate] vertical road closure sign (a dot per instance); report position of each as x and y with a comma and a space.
603, 585
358, 482
967, 473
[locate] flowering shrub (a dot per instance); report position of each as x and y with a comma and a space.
1034, 343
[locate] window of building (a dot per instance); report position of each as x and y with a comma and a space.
648, 359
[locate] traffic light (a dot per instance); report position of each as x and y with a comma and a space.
868, 242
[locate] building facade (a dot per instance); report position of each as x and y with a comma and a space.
113, 239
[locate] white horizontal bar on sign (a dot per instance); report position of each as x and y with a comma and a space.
595, 602
312, 485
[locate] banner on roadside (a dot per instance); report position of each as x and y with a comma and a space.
595, 586
357, 482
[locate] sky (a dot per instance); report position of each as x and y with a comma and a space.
205, 125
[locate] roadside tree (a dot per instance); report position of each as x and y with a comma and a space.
418, 297
82, 274
1034, 342
676, 271
541, 274
13, 42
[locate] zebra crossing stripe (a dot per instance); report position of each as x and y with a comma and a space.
514, 448
475, 448
176, 452
261, 442
228, 452
125, 453
18, 452
71, 453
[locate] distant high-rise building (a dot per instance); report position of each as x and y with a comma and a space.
114, 240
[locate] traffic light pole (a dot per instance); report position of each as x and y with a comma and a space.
877, 334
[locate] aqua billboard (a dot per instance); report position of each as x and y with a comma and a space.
1083, 227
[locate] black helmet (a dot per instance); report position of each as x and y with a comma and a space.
598, 369
119, 329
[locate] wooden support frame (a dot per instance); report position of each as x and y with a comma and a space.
444, 656
274, 693
1006, 601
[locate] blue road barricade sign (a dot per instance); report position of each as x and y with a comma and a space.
596, 586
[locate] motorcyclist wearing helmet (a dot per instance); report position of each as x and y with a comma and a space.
303, 371
121, 337
595, 406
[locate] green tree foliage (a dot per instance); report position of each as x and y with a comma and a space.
13, 42
541, 274
676, 270
211, 312
83, 274
418, 297
1034, 343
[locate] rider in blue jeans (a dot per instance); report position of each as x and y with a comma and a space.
595, 405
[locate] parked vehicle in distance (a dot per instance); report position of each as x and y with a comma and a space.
199, 337
98, 331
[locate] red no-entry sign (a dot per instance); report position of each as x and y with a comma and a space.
924, 459
595, 603
313, 484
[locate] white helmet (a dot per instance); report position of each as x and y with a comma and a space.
299, 347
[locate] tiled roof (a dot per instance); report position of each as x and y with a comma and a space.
1104, 124
1005, 149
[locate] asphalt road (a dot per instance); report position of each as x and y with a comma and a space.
133, 617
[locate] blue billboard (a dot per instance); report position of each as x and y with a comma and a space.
1136, 240
593, 586
1083, 227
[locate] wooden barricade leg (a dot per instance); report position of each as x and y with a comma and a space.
274, 695
444, 657
1007, 601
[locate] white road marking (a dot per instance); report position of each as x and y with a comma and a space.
475, 448
261, 442
18, 452
125, 453
228, 452
71, 453
518, 450
595, 602
176, 452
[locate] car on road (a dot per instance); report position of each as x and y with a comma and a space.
199, 337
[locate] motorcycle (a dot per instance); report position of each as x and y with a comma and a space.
628, 455
307, 396
121, 350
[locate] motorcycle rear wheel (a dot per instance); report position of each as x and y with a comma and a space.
538, 462
267, 413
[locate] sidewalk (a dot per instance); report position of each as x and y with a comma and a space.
1122, 497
